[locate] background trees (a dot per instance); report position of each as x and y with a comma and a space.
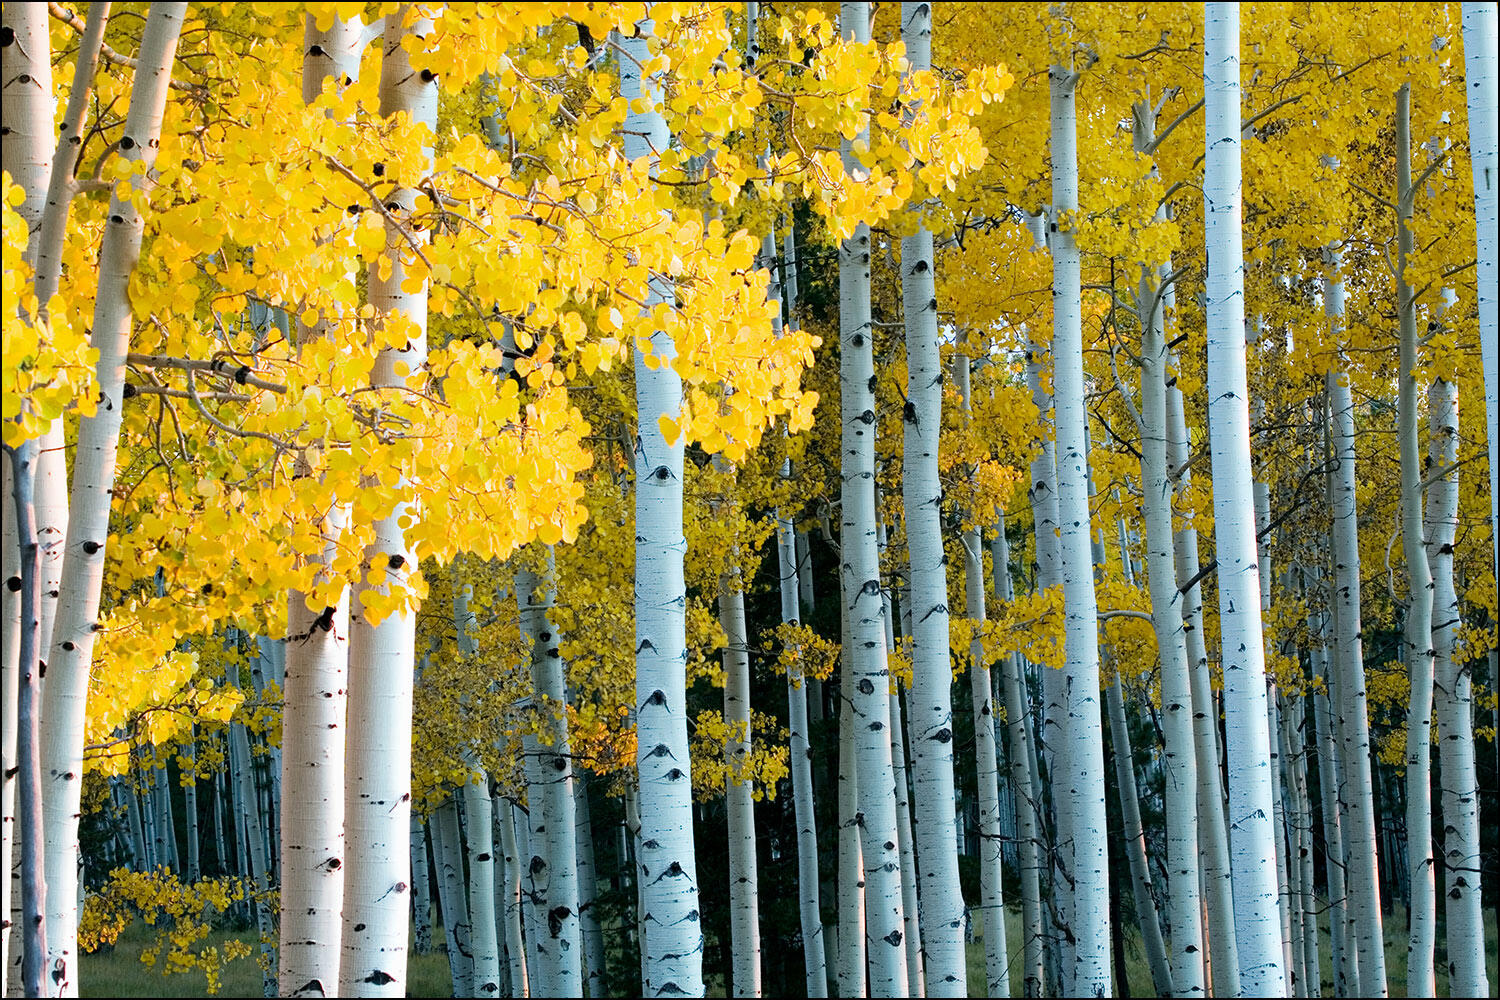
373, 351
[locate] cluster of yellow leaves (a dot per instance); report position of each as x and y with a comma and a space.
765, 764
182, 913
48, 362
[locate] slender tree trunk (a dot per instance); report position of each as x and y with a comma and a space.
257, 863
1262, 971
800, 752
10, 694
1082, 777
991, 896
1421, 973
65, 699
931, 709
447, 848
34, 888
421, 887
515, 946
595, 972
1019, 757
1481, 30
313, 701
667, 865
479, 827
744, 891
851, 939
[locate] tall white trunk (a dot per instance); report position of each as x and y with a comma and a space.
744, 891
1421, 975
1468, 975
313, 701
931, 710
421, 888
1081, 777
1184, 903
10, 692
851, 923
65, 699
480, 839
377, 799
515, 947
667, 864
991, 898
1253, 851
800, 763
447, 849
588, 914
868, 697
1481, 30
550, 791
1019, 756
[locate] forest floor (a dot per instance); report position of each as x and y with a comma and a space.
120, 972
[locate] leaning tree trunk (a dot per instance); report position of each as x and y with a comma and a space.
377, 800
313, 699
1082, 778
65, 700
667, 865
930, 711
1247, 739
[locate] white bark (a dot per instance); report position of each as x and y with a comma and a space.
10, 693
744, 892
65, 698
1019, 756
377, 800
1253, 852
1481, 31
515, 947
1184, 903
1460, 789
313, 702
479, 838
447, 849
851, 908
930, 711
991, 897
421, 887
673, 955
588, 915
554, 862
800, 751
1081, 777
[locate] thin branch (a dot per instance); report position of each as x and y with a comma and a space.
219, 366
78, 24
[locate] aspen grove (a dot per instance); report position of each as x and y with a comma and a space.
758, 499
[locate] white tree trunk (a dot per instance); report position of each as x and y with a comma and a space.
515, 946
10, 693
421, 887
257, 863
1481, 30
447, 849
313, 700
744, 891
1019, 756
667, 864
1253, 860
1081, 777
1184, 903
588, 915
550, 789
65, 698
1460, 788
480, 839
991, 897
930, 711
851, 923
377, 800
1421, 974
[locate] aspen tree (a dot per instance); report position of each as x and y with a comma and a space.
1247, 740
382, 630
515, 947
992, 900
595, 972
314, 703
931, 710
851, 883
1019, 756
65, 699
1421, 976
1082, 775
672, 953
